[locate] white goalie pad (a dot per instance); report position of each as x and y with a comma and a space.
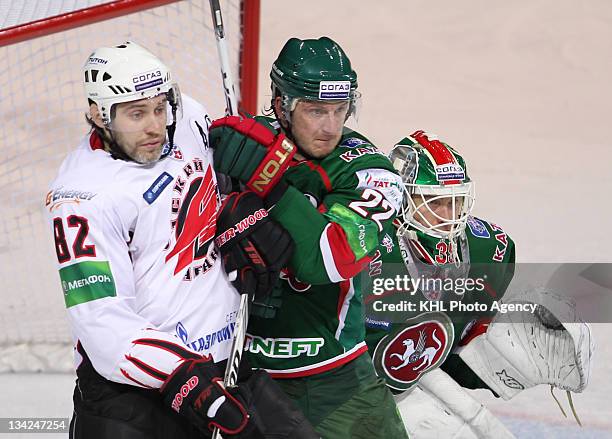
439, 408
551, 345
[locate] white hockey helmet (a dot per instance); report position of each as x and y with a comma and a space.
128, 72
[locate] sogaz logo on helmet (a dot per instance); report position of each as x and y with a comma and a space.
450, 171
334, 89
147, 79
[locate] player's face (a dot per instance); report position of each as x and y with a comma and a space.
433, 210
317, 126
139, 127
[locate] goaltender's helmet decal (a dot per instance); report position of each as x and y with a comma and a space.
420, 344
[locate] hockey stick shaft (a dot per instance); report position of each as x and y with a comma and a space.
233, 361
226, 73
482, 422
242, 318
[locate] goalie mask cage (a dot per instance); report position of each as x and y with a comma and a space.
43, 46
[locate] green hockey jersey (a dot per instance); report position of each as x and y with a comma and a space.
337, 209
414, 324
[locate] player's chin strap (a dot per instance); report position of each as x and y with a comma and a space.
522, 349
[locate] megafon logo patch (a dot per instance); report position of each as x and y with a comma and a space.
450, 171
334, 89
147, 79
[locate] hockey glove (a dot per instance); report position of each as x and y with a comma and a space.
195, 390
252, 244
250, 152
273, 413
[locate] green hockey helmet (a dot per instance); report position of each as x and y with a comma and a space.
435, 177
314, 70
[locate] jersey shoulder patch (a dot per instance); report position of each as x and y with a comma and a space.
353, 142
478, 227
488, 242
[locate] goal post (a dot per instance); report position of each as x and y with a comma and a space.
43, 45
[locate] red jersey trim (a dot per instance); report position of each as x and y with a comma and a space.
305, 371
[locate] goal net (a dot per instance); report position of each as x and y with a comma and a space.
43, 45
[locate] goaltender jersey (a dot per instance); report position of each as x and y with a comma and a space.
405, 345
142, 281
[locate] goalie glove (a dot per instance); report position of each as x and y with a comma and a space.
519, 350
252, 245
250, 152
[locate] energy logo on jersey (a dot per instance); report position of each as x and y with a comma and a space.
420, 344
195, 210
58, 196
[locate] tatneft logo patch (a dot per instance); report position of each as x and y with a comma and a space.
87, 281
157, 187
334, 89
386, 182
147, 80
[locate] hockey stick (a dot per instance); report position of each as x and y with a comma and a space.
482, 422
242, 318
226, 74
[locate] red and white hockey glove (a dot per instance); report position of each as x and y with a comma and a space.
195, 390
250, 152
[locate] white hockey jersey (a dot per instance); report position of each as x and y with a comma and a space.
143, 284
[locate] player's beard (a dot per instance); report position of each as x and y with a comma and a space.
147, 157
136, 150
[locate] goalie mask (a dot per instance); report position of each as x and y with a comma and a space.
438, 195
127, 73
317, 70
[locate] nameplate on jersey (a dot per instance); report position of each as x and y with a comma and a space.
157, 187
478, 228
